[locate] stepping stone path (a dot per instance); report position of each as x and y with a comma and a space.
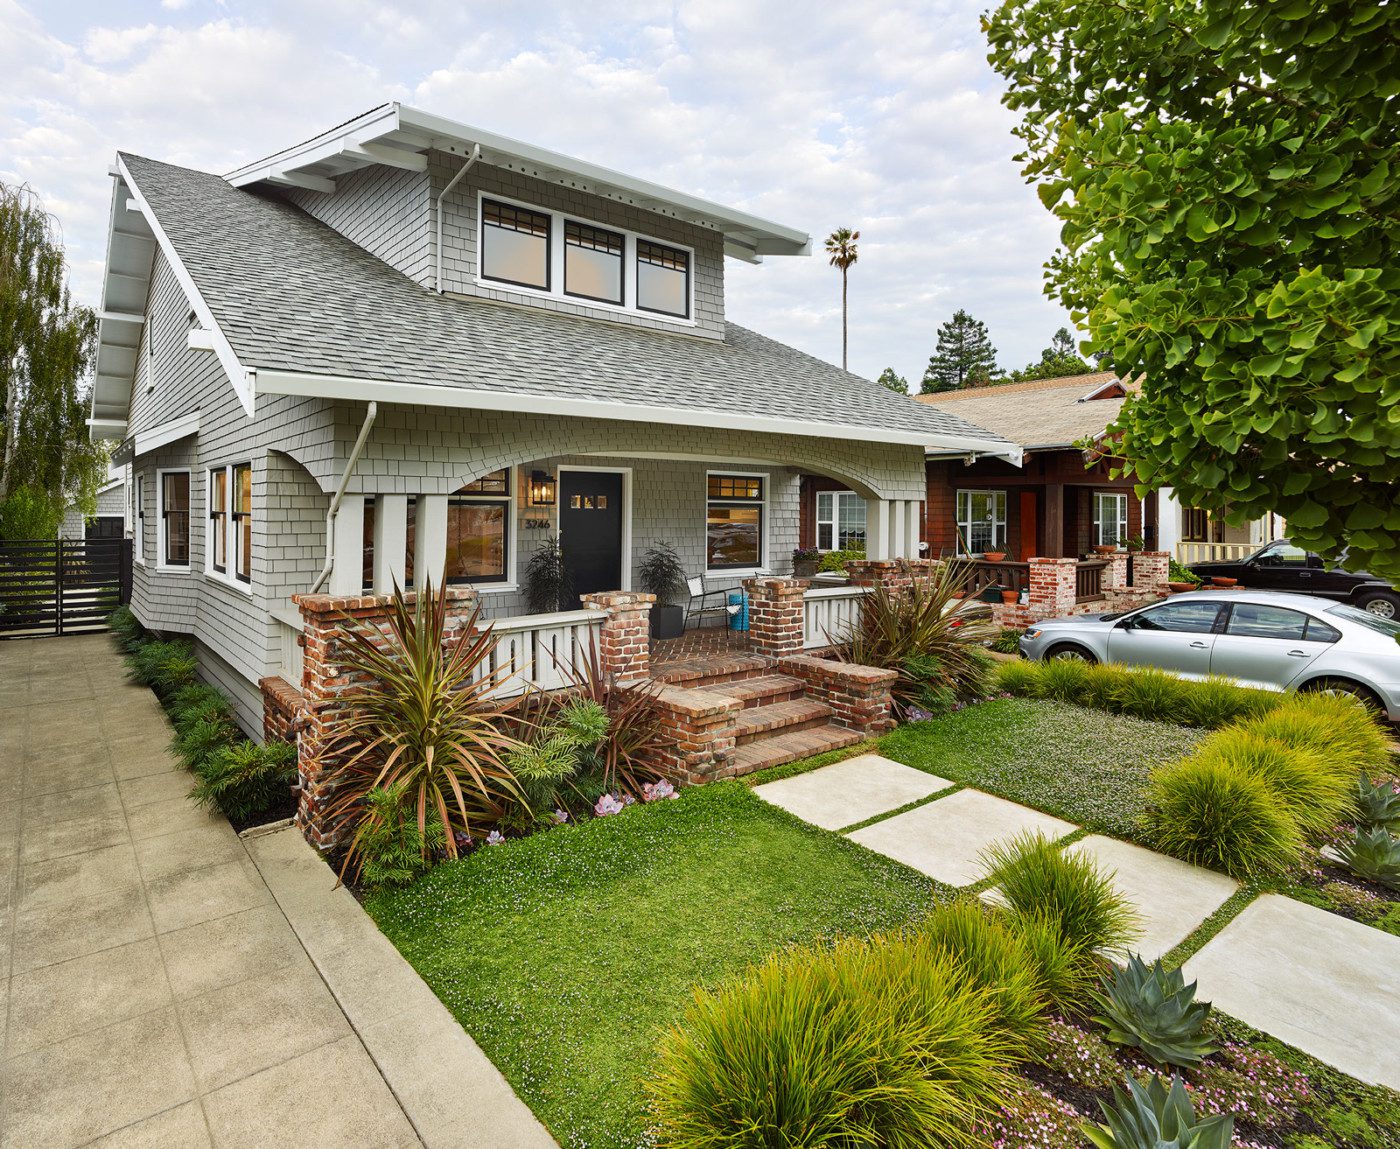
851, 791
945, 838
1326, 984
1172, 898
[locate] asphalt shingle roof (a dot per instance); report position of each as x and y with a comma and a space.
291, 294
1040, 413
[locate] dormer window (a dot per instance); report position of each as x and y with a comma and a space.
593, 263
514, 245
663, 279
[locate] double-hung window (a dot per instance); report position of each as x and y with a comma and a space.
1110, 518
734, 522
242, 517
981, 521
139, 519
230, 546
218, 520
478, 530
515, 245
173, 542
840, 520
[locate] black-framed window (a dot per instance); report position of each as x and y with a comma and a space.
140, 517
218, 520
734, 509
175, 518
663, 279
243, 522
478, 531
593, 262
514, 245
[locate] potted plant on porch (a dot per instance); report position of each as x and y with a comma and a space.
660, 573
804, 562
548, 584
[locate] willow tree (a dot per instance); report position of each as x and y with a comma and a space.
1227, 173
47, 459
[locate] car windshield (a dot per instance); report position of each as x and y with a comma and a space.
1366, 618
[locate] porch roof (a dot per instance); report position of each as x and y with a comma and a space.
1040, 414
306, 311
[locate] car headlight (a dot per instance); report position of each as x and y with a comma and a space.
1033, 632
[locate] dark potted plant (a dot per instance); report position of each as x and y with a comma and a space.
660, 573
548, 584
804, 562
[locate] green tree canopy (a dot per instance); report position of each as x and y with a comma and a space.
1060, 358
47, 458
894, 381
965, 356
1228, 179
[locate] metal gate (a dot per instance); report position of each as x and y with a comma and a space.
61, 586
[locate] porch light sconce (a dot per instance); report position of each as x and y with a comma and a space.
543, 489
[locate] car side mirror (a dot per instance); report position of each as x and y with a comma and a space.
1123, 624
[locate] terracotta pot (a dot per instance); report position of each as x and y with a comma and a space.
960, 594
1180, 587
994, 556
1010, 596
1216, 580
1104, 549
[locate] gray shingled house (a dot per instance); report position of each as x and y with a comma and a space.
479, 344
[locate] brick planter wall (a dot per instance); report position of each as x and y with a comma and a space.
1052, 587
282, 706
892, 574
1115, 572
775, 615
698, 728
859, 696
1150, 570
624, 646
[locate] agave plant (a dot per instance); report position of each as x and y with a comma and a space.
1157, 1117
1377, 804
1155, 1010
1374, 855
422, 716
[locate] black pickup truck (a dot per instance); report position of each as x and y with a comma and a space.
1282, 566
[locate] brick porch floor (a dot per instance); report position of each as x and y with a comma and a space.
702, 642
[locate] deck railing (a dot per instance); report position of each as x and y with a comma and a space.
1195, 552
537, 651
287, 624
828, 613
1088, 579
982, 574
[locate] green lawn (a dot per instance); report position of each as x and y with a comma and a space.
1087, 766
566, 953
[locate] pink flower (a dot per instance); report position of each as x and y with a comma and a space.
608, 804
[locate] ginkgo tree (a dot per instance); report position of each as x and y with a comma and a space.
1227, 174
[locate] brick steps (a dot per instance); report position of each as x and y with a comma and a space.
710, 670
789, 746
762, 690
778, 718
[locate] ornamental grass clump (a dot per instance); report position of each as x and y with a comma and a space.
864, 1044
1315, 795
1213, 702
1150, 693
1335, 726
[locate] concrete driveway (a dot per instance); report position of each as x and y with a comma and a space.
154, 991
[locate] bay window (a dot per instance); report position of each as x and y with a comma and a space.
981, 521
478, 530
139, 519
734, 522
243, 522
218, 520
840, 520
230, 542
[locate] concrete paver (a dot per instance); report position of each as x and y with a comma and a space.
1326, 984
1171, 897
945, 839
851, 791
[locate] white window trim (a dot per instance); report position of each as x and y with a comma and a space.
512, 580
765, 554
225, 577
138, 517
161, 564
835, 520
964, 528
1098, 524
626, 473
556, 292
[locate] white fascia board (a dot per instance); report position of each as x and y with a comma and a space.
952, 446
373, 124
99, 429
157, 437
268, 381
228, 358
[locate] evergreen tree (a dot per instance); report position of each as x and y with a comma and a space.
1060, 358
895, 382
965, 357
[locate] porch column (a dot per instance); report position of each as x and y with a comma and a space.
624, 644
347, 575
1053, 544
877, 529
1168, 521
914, 514
390, 542
429, 539
1150, 570
1052, 587
1115, 574
776, 615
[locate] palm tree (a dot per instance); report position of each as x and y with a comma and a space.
841, 246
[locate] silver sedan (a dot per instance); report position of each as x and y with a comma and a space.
1258, 638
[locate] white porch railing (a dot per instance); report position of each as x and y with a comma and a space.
537, 650
828, 613
286, 625
1188, 553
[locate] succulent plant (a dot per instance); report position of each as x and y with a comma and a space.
1157, 1117
1155, 1010
1377, 804
1374, 855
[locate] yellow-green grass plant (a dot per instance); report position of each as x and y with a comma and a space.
1301, 778
1335, 726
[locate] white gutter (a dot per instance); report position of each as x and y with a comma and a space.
437, 211
370, 412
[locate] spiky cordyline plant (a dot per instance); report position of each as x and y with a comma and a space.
424, 718
919, 626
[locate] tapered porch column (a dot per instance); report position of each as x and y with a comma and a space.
429, 539
347, 575
892, 528
390, 542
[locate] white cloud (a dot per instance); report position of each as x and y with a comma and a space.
885, 118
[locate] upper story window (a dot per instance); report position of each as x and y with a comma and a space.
566, 258
515, 245
663, 279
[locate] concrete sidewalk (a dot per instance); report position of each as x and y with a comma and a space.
154, 992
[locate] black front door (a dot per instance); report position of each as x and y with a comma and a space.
590, 528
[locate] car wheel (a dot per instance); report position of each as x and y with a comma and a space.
1363, 694
1068, 652
1381, 603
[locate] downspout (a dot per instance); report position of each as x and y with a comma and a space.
437, 210
370, 412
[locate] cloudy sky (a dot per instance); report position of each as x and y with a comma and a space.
879, 116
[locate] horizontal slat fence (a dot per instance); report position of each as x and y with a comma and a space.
61, 586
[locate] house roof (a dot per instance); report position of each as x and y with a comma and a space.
401, 136
1040, 414
297, 308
